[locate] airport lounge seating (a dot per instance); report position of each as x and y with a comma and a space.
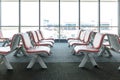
35, 51
89, 49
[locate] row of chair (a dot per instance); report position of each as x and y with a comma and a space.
83, 38
32, 43
86, 45
26, 44
89, 42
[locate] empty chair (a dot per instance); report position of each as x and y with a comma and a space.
41, 38
76, 38
10, 49
4, 40
114, 43
88, 49
37, 42
36, 51
86, 39
105, 51
80, 37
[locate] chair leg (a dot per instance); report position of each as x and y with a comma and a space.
20, 50
17, 52
23, 51
8, 65
41, 62
102, 52
32, 62
73, 52
119, 68
84, 60
92, 59
109, 53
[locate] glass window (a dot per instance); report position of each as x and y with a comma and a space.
89, 15
69, 14
68, 32
49, 14
50, 32
9, 13
50, 18
69, 19
9, 31
29, 28
29, 13
109, 17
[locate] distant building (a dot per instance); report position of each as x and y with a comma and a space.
104, 26
70, 25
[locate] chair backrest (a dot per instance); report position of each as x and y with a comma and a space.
39, 35
79, 32
82, 35
92, 37
1, 35
98, 40
26, 40
114, 42
34, 36
15, 41
87, 36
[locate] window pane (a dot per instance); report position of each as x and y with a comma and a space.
9, 31
9, 14
68, 19
50, 18
49, 14
68, 32
29, 13
109, 17
89, 15
52, 31
69, 13
25, 29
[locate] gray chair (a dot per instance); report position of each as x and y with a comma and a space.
114, 43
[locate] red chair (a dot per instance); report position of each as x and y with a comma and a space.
88, 49
105, 51
80, 37
77, 38
37, 42
40, 36
86, 39
4, 51
36, 51
4, 40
